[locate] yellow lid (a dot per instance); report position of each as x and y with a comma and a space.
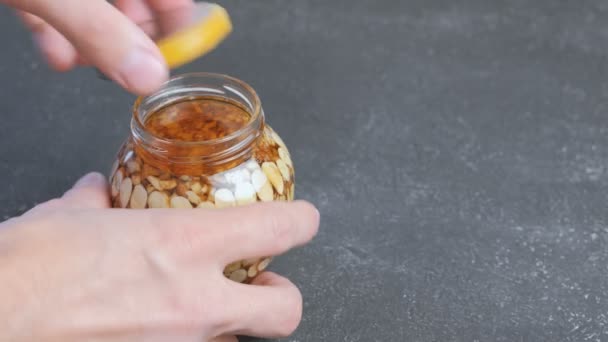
199, 33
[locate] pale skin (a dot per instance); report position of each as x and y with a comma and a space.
70, 33
72, 269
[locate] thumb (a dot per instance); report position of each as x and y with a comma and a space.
105, 38
91, 191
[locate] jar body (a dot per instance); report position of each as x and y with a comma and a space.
268, 175
152, 173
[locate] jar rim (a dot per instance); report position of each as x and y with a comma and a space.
251, 98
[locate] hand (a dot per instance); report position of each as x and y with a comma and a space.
72, 32
73, 270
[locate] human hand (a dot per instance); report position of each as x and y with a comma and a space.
72, 32
72, 269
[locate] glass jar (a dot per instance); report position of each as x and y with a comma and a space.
201, 142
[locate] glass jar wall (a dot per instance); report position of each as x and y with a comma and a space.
202, 142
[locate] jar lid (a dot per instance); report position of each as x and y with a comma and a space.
189, 33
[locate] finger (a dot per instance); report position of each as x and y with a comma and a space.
226, 338
140, 13
105, 38
82, 61
150, 15
169, 5
91, 191
271, 307
137, 10
266, 229
226, 235
57, 50
172, 15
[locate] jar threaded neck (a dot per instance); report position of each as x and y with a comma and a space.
203, 155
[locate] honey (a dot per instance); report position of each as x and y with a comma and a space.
197, 119
195, 129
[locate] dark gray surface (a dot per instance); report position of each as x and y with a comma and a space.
458, 152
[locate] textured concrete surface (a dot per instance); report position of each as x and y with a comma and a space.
458, 151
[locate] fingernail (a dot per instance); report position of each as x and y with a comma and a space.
142, 71
90, 180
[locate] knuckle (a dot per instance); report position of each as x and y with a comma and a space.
50, 205
178, 235
97, 26
281, 231
187, 316
198, 306
217, 317
93, 197
49, 217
